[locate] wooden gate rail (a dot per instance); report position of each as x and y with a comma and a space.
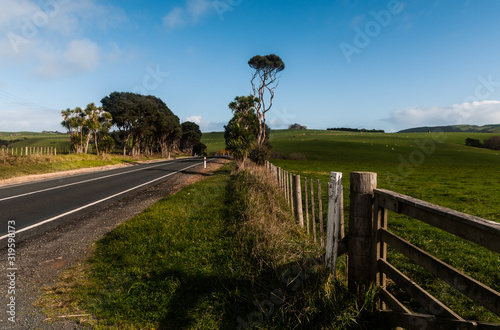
369, 237
480, 231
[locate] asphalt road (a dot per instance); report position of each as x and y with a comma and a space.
30, 209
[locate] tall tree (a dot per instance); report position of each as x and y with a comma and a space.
74, 122
191, 136
241, 131
264, 82
121, 106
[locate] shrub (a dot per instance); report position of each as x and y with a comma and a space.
296, 156
473, 143
276, 155
259, 154
493, 143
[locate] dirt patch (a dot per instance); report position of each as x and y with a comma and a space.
40, 260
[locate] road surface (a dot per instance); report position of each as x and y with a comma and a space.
31, 208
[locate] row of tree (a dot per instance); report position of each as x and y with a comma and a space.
492, 143
247, 134
145, 125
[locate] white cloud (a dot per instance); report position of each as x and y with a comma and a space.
194, 119
206, 125
49, 37
14, 10
191, 13
19, 118
79, 56
82, 54
473, 113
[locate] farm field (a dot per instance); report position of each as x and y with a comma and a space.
31, 139
434, 167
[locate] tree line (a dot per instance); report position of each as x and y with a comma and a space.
356, 130
144, 125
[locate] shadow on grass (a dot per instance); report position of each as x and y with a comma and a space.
210, 293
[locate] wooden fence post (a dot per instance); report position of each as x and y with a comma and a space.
290, 191
333, 221
320, 215
282, 179
360, 230
285, 184
307, 206
299, 216
313, 214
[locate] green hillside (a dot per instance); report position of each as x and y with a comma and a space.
33, 139
455, 128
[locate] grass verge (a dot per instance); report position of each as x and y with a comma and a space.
223, 253
12, 166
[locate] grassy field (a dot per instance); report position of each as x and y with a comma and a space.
214, 141
434, 167
31, 139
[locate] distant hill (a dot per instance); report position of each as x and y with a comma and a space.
455, 128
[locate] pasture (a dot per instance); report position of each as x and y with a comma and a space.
36, 140
435, 167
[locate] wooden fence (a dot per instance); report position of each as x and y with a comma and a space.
305, 200
368, 238
25, 151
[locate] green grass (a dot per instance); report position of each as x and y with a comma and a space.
168, 267
207, 258
214, 141
446, 173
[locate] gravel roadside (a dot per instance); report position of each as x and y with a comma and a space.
41, 259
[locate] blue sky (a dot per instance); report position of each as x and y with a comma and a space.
363, 64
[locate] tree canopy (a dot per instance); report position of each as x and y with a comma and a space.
145, 122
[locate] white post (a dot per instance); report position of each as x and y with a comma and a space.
333, 222
204, 162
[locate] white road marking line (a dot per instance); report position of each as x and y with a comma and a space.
75, 183
94, 203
